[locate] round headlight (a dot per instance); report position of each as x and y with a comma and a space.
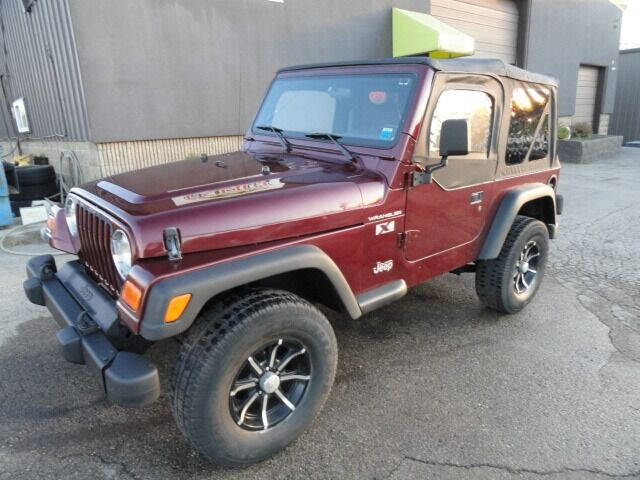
121, 252
70, 215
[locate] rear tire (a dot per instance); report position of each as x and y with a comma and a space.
218, 373
510, 281
35, 175
35, 192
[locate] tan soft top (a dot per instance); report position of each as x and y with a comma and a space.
462, 65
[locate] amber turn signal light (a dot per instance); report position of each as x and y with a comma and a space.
176, 307
131, 295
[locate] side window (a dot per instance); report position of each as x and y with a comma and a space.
529, 123
541, 143
472, 105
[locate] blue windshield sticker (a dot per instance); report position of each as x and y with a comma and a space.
386, 133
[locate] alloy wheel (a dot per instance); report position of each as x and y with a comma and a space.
270, 385
526, 268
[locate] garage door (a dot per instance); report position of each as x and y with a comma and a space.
586, 95
492, 23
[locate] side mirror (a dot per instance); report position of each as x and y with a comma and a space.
454, 138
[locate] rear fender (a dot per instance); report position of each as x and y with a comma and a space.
512, 204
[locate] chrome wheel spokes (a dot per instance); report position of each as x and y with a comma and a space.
246, 406
270, 385
265, 420
526, 268
254, 365
285, 400
272, 360
286, 361
284, 378
243, 385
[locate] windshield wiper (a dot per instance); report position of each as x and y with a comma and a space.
278, 133
335, 139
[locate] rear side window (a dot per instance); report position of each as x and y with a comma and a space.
529, 127
472, 105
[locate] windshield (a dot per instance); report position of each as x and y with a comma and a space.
366, 110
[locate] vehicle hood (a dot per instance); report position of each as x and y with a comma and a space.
235, 199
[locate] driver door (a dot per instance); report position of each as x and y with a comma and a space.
449, 213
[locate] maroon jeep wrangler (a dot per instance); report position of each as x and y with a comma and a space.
356, 181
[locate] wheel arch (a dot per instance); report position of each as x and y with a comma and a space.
535, 200
302, 269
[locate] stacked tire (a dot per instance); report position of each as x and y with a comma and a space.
35, 183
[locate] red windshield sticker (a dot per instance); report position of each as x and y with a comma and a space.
377, 97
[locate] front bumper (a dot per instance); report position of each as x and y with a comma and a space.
87, 317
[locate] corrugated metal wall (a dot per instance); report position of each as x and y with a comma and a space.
603, 125
586, 94
625, 120
118, 157
38, 61
563, 34
492, 23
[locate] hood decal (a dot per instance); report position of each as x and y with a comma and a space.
228, 191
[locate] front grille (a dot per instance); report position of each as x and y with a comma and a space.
95, 249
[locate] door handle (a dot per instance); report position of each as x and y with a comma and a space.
476, 197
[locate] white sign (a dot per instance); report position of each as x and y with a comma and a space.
31, 215
20, 114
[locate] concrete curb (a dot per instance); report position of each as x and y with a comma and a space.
588, 151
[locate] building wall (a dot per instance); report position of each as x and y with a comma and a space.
625, 120
38, 61
563, 35
493, 24
118, 157
54, 149
156, 80
603, 128
157, 69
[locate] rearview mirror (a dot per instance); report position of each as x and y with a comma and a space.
454, 138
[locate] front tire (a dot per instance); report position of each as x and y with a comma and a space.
510, 281
252, 374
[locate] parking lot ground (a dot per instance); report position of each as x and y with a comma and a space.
431, 387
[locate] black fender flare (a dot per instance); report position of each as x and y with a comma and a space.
205, 283
509, 207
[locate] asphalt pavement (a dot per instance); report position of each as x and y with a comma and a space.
431, 387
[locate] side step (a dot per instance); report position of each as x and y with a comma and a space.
468, 268
382, 295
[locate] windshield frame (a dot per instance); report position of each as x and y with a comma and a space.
349, 72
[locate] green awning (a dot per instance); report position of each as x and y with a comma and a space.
417, 33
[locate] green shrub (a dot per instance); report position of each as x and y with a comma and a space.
564, 132
582, 130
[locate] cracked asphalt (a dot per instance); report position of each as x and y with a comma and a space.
433, 386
